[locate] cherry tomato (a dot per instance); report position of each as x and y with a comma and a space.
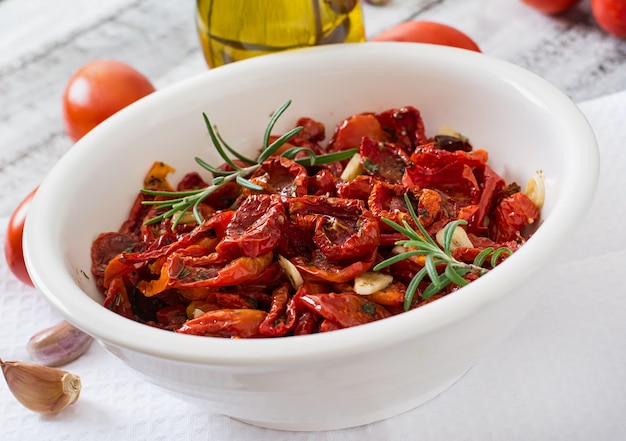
428, 32
551, 6
610, 15
98, 90
13, 240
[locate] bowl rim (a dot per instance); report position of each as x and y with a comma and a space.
48, 272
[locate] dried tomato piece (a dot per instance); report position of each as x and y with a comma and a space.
449, 172
387, 201
191, 181
320, 268
282, 176
234, 300
391, 296
266, 279
176, 274
172, 315
116, 299
282, 316
492, 189
383, 159
256, 227
312, 132
343, 229
345, 309
106, 247
347, 238
306, 323
226, 323
403, 126
322, 183
215, 226
359, 188
328, 326
511, 215
349, 132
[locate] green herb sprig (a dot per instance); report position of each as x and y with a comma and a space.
180, 202
420, 243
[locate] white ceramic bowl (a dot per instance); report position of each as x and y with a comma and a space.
348, 377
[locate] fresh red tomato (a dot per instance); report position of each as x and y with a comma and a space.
551, 6
428, 32
610, 15
13, 240
98, 90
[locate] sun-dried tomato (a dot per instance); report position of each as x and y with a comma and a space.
383, 159
256, 227
403, 126
511, 215
227, 323
279, 175
349, 133
450, 172
319, 267
345, 309
342, 229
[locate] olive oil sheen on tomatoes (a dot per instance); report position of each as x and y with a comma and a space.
233, 30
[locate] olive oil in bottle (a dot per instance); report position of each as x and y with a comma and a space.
232, 30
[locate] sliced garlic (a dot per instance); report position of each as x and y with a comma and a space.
370, 282
58, 344
398, 249
40, 388
186, 218
353, 168
536, 189
459, 239
448, 130
292, 273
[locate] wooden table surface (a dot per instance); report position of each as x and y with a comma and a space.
42, 43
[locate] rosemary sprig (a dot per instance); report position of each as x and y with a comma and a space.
420, 243
180, 202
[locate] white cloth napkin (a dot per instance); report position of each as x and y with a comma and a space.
560, 376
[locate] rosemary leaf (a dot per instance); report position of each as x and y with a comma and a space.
272, 148
270, 126
396, 259
497, 253
437, 257
327, 158
234, 152
431, 270
202, 163
482, 256
247, 184
217, 144
412, 288
455, 275
292, 152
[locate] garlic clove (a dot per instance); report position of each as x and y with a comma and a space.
58, 344
290, 270
353, 169
536, 189
42, 389
459, 239
371, 282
